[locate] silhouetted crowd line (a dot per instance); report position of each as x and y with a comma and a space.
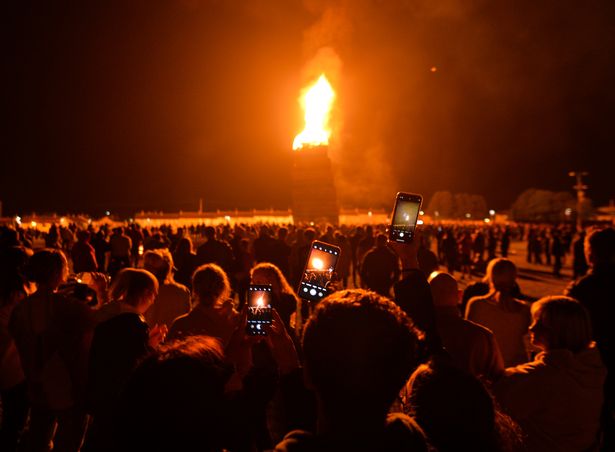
132, 339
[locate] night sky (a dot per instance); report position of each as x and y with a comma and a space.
130, 105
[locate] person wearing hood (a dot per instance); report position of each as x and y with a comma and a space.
557, 398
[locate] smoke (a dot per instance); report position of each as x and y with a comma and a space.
461, 93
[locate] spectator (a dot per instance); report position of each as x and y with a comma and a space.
215, 251
595, 292
13, 395
175, 399
83, 254
380, 267
284, 299
456, 411
52, 334
173, 299
120, 246
557, 398
121, 339
507, 317
579, 261
360, 348
472, 348
185, 261
213, 314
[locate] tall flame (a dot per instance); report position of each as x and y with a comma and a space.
316, 103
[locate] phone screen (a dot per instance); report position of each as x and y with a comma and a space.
319, 270
259, 309
405, 216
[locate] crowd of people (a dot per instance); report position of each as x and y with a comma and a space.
135, 338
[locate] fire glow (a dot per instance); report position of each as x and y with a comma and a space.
316, 102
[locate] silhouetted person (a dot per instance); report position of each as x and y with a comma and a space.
213, 314
557, 252
506, 316
457, 412
121, 339
83, 254
175, 400
173, 299
13, 389
505, 242
51, 332
579, 261
471, 347
185, 261
450, 251
215, 251
120, 246
380, 267
360, 348
595, 292
557, 398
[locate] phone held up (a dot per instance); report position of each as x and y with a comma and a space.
405, 217
319, 270
259, 309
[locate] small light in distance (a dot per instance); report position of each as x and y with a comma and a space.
107, 213
419, 222
487, 220
369, 214
33, 224
492, 212
421, 212
227, 218
468, 215
18, 220
568, 212
433, 69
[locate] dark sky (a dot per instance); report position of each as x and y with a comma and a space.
130, 105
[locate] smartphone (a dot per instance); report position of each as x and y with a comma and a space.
405, 216
259, 309
318, 272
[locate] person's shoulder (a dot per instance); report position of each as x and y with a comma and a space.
478, 331
175, 287
479, 301
297, 441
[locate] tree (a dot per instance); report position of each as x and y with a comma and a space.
542, 205
441, 204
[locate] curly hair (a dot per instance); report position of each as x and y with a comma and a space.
359, 345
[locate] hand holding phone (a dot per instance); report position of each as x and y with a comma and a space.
405, 217
319, 271
259, 309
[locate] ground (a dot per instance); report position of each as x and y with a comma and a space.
535, 280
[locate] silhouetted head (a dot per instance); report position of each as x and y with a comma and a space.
444, 289
47, 268
282, 233
160, 264
174, 399
309, 235
135, 287
184, 246
560, 323
210, 232
360, 348
83, 236
381, 240
600, 247
210, 284
267, 273
454, 409
502, 275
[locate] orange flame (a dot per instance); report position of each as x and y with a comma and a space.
317, 102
